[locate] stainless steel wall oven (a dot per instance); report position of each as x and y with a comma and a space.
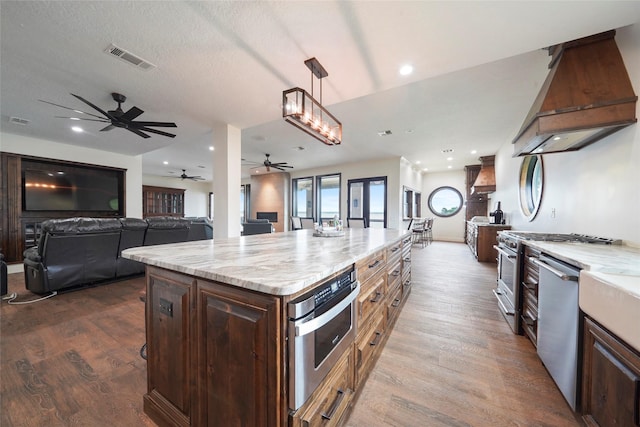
506, 290
322, 325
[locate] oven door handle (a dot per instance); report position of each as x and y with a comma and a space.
502, 306
503, 252
304, 327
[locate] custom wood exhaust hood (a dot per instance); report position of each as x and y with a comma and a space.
586, 96
485, 183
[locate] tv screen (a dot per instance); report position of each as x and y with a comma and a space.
71, 188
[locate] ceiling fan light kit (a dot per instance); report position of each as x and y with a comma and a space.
118, 118
303, 111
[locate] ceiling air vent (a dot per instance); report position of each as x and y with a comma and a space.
384, 133
129, 57
18, 121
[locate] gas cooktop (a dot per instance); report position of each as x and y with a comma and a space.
559, 237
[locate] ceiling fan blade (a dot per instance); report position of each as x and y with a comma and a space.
131, 114
94, 107
137, 132
158, 124
79, 118
159, 132
68, 108
107, 128
277, 167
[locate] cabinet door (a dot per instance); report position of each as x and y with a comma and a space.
238, 380
611, 380
170, 347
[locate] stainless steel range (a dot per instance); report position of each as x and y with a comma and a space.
510, 262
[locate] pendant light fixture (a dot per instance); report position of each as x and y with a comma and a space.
307, 114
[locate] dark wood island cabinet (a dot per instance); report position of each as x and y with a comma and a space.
217, 341
481, 237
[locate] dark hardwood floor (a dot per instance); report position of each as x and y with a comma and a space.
73, 360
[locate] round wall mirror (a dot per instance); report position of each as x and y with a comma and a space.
445, 201
531, 180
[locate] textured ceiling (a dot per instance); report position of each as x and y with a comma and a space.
478, 65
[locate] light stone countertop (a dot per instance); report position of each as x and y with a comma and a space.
276, 263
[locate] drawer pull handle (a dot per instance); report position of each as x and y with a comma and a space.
407, 259
377, 297
394, 249
376, 340
395, 273
374, 264
407, 282
395, 303
334, 407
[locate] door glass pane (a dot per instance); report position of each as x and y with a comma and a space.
376, 204
329, 196
356, 199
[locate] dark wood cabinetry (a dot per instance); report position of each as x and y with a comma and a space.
217, 354
162, 201
481, 238
209, 345
529, 283
611, 379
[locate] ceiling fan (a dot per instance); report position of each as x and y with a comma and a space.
118, 118
268, 164
192, 178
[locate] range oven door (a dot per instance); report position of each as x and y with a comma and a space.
507, 283
316, 342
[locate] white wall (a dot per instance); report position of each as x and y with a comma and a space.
595, 190
196, 195
449, 229
11, 143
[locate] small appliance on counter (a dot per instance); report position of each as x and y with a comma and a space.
498, 215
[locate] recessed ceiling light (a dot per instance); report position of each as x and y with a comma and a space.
449, 167
408, 131
418, 162
76, 128
165, 163
474, 151
211, 148
406, 69
449, 158
425, 169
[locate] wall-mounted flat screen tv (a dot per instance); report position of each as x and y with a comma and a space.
64, 187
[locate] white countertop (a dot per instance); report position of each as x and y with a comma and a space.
609, 283
276, 263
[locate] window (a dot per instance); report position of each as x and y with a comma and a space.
411, 203
445, 201
531, 179
302, 205
328, 196
245, 198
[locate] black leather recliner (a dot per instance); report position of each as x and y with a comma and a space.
163, 230
132, 236
72, 252
200, 228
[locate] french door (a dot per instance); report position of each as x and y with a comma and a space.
368, 200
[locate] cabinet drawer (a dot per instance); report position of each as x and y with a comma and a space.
370, 299
393, 304
367, 345
394, 276
394, 252
370, 265
328, 405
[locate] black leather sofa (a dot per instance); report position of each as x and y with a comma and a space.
256, 226
75, 252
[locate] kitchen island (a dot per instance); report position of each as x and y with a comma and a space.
218, 331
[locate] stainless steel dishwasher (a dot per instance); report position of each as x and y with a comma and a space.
558, 323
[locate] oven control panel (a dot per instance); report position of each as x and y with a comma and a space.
321, 294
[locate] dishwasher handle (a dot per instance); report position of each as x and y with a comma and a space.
560, 274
